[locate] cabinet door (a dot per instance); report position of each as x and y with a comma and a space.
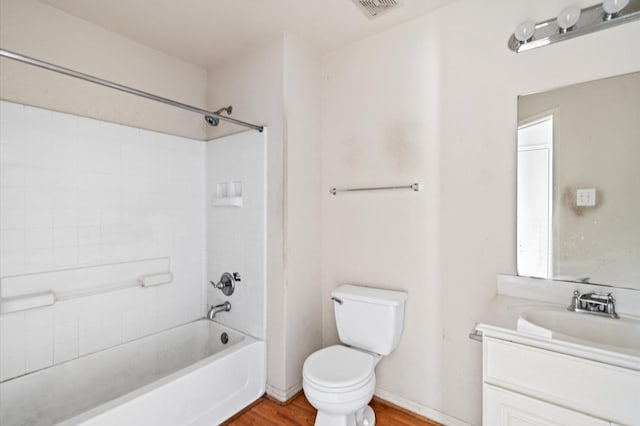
504, 408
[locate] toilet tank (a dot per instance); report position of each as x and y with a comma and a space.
369, 318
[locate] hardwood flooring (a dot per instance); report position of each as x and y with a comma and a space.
300, 412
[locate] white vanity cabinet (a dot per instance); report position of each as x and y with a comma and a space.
528, 385
503, 407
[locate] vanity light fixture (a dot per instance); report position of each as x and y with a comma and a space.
573, 22
613, 7
524, 31
568, 18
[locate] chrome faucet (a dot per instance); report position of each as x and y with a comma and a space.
594, 303
213, 310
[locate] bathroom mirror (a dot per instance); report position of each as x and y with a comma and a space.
578, 201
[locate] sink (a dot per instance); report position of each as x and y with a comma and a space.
566, 325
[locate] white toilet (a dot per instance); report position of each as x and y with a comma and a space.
339, 380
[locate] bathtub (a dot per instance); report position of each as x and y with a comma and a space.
182, 376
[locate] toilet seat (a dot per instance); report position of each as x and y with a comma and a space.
338, 369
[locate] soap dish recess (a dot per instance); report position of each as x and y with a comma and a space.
228, 194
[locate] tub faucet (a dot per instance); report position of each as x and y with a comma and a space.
213, 310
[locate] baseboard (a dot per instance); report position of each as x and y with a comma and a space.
283, 397
421, 410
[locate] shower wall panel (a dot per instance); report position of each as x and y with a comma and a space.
77, 192
236, 234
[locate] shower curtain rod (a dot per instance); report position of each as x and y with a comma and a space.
122, 88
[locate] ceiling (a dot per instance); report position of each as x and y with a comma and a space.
204, 32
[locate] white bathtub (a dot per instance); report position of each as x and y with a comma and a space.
181, 376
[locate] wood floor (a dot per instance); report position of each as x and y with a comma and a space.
300, 412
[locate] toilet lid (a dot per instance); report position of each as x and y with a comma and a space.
338, 367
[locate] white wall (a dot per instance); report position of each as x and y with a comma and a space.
35, 29
303, 258
254, 83
434, 101
77, 192
236, 237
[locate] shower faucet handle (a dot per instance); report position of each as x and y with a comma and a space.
227, 283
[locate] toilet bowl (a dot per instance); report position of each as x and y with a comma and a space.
339, 381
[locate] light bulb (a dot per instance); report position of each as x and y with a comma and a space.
612, 7
524, 31
568, 18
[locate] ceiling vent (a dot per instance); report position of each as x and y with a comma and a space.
373, 8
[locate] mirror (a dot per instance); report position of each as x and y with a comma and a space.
579, 183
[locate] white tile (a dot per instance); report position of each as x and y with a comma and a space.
12, 198
12, 218
65, 256
66, 311
12, 366
87, 127
38, 218
39, 327
109, 252
66, 344
65, 218
38, 259
12, 154
37, 177
111, 329
65, 350
110, 216
64, 156
64, 126
89, 236
37, 118
133, 327
41, 199
12, 175
40, 154
39, 238
88, 255
63, 179
88, 200
11, 123
13, 239
65, 237
88, 217
12, 334
12, 261
88, 333
37, 358
66, 330
64, 199
88, 343
110, 234
110, 200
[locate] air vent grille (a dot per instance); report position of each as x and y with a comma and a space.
373, 8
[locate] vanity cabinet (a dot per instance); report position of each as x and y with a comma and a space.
527, 385
503, 407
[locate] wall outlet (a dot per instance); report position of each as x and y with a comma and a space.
586, 197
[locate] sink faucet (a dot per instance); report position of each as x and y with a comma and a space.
594, 303
213, 310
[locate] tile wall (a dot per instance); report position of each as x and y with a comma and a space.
236, 236
77, 192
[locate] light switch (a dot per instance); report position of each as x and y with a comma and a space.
586, 197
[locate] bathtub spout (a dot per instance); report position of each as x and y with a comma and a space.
213, 310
